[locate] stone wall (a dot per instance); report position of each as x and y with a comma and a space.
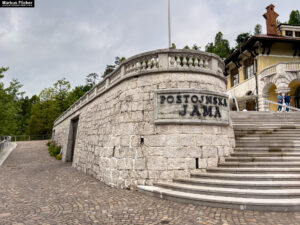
119, 143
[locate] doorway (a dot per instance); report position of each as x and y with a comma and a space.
251, 105
72, 140
297, 98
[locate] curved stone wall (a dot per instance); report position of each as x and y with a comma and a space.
118, 139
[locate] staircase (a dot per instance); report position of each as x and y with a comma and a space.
263, 172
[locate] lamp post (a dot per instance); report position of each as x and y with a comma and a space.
169, 23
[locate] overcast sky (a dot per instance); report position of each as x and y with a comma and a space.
72, 38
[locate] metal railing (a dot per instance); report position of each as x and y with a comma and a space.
283, 105
4, 142
30, 137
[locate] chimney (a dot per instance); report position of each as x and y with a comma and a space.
271, 23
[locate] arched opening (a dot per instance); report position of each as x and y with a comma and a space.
295, 93
272, 96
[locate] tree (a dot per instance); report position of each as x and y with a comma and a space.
61, 92
241, 38
78, 92
8, 105
108, 70
92, 79
257, 29
50, 103
195, 47
294, 17
220, 46
3, 70
42, 118
24, 114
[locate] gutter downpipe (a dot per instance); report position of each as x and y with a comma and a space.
256, 84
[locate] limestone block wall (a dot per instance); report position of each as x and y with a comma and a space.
119, 143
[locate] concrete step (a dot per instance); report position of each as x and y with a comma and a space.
240, 183
252, 149
287, 138
252, 177
253, 170
275, 141
263, 159
267, 132
223, 201
260, 164
259, 127
290, 144
285, 124
230, 192
258, 154
263, 172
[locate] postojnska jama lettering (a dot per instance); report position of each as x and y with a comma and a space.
161, 123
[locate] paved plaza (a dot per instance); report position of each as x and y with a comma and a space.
38, 189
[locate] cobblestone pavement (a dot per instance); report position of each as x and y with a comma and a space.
38, 189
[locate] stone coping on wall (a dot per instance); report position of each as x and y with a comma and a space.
158, 61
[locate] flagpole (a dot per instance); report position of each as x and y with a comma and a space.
169, 23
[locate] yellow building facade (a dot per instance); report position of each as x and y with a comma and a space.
265, 66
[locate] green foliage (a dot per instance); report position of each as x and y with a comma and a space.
294, 17
173, 46
58, 157
3, 70
241, 38
53, 149
77, 92
186, 47
196, 47
42, 117
9, 105
220, 46
257, 29
61, 91
52, 102
110, 68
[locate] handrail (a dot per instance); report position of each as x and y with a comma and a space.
30, 137
236, 103
162, 60
276, 103
4, 142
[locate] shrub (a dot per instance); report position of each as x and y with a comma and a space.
48, 143
54, 150
58, 156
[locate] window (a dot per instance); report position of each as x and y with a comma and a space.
234, 77
250, 71
248, 68
297, 34
289, 33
